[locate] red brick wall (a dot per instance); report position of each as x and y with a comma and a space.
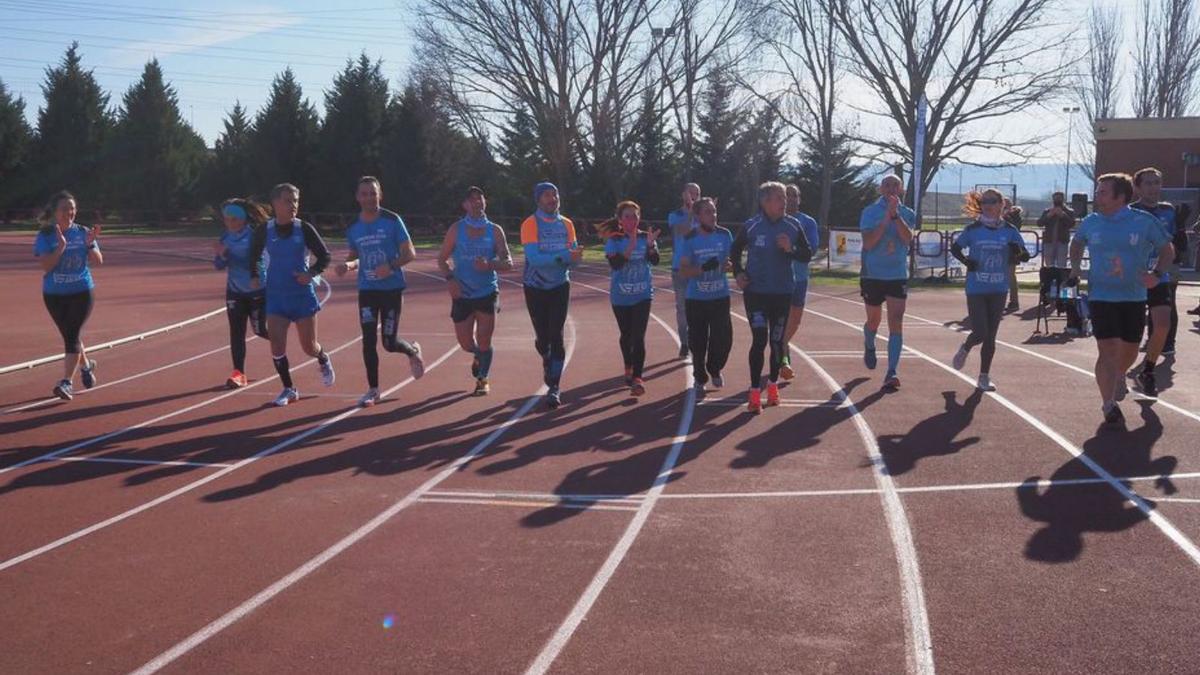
1129, 156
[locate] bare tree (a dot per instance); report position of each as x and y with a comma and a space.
1099, 86
801, 37
977, 61
1167, 58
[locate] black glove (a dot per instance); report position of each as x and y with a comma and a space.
1017, 252
1071, 282
971, 265
710, 264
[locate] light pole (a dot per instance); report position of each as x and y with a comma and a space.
1070, 110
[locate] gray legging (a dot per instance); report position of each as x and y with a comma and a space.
985, 310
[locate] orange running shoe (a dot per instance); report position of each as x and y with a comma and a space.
755, 401
772, 394
236, 380
785, 371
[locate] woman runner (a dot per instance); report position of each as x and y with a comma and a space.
66, 251
703, 262
631, 252
291, 298
243, 301
479, 250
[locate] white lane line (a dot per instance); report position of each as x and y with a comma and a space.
146, 506
143, 462
114, 343
1178, 500
919, 655
590, 594
783, 403
542, 496
1161, 522
1028, 352
531, 504
124, 430
123, 380
318, 561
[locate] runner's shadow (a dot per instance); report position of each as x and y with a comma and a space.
798, 431
931, 437
73, 416
1068, 510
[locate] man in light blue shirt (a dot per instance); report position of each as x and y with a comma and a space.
800, 273
1119, 240
681, 223
887, 232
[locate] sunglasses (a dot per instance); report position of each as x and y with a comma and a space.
989, 201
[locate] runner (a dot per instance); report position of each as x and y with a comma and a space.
1163, 319
704, 262
887, 227
994, 246
244, 302
551, 249
379, 249
681, 222
800, 271
1119, 241
67, 250
479, 250
291, 298
631, 252
775, 240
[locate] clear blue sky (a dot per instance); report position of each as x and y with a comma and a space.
214, 52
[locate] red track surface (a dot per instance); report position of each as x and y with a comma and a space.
763, 545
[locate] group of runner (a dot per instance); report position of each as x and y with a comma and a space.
272, 264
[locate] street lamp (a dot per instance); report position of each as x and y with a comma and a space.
1070, 130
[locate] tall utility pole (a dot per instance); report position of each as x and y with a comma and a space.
1070, 110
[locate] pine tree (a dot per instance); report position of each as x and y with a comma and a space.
524, 162
156, 158
352, 135
230, 172
721, 127
72, 129
15, 138
283, 143
849, 193
658, 164
759, 155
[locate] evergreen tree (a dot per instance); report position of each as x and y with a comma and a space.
72, 129
156, 158
283, 142
759, 156
721, 127
15, 138
524, 162
849, 193
230, 172
658, 185
352, 136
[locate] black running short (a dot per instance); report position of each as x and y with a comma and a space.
1124, 320
461, 309
875, 291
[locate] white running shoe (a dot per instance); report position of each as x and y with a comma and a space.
288, 395
327, 374
370, 398
960, 357
985, 383
416, 362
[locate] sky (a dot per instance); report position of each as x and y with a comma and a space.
218, 52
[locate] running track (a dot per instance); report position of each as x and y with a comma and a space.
164, 523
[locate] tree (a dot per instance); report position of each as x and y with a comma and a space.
1100, 85
720, 125
1168, 58
230, 172
849, 193
352, 135
15, 138
977, 61
657, 181
156, 158
72, 128
524, 163
284, 139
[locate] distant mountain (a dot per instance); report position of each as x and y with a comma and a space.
1035, 182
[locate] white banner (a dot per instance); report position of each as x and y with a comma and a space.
845, 247
919, 155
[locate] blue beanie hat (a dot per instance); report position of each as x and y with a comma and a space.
542, 187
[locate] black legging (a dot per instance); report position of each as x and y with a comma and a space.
632, 321
241, 308
548, 312
710, 336
1174, 326
985, 311
69, 313
768, 314
379, 311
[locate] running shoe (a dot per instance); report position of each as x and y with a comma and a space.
236, 380
288, 395
416, 362
698, 386
88, 375
553, 400
785, 371
772, 394
960, 357
1113, 417
1147, 383
1012, 307
370, 398
754, 403
718, 381
869, 359
327, 374
891, 382
638, 387
481, 387
985, 383
628, 376
63, 390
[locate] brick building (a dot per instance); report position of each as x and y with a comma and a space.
1172, 145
